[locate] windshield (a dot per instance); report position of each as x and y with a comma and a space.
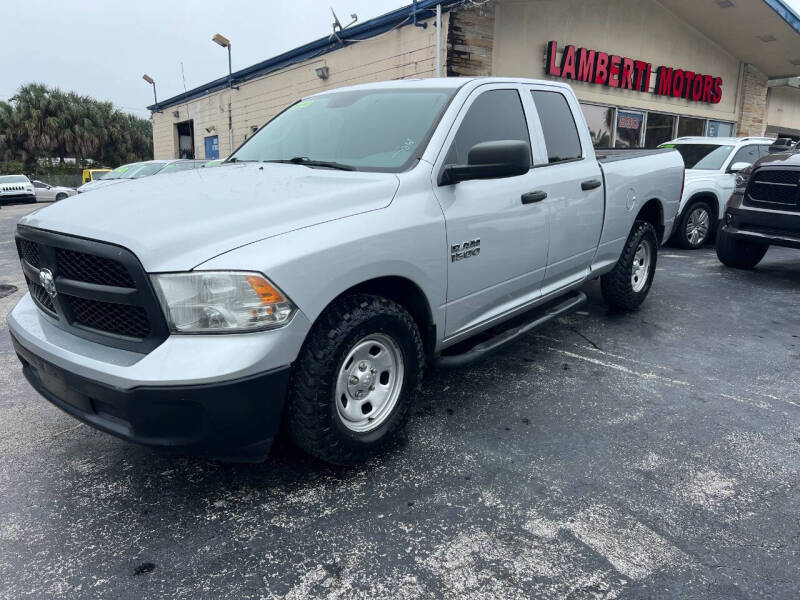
14, 179
179, 166
706, 157
98, 174
379, 130
119, 172
145, 170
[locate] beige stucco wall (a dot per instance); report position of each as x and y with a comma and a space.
405, 52
783, 108
638, 29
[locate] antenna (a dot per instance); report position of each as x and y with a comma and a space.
337, 24
183, 76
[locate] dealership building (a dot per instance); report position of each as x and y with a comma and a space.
645, 71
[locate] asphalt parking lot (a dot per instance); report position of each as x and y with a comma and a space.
652, 455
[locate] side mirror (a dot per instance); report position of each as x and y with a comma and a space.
738, 166
781, 145
490, 160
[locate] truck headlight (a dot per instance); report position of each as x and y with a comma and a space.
742, 177
221, 302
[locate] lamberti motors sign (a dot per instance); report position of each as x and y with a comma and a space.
612, 70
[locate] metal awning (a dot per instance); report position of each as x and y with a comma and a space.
764, 33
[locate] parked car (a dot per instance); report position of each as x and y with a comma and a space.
16, 188
310, 278
93, 174
763, 211
711, 167
51, 193
139, 170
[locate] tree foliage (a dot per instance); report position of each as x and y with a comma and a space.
42, 122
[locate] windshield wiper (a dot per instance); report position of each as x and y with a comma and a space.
305, 161
238, 160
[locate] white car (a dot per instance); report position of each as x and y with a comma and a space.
140, 170
51, 193
711, 167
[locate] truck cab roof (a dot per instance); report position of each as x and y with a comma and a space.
440, 83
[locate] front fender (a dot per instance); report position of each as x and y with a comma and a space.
702, 187
316, 264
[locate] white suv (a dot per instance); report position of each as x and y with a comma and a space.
711, 167
16, 188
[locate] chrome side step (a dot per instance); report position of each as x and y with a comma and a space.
484, 348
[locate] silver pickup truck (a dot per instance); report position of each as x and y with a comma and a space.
305, 283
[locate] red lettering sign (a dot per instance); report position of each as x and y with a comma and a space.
586, 60
600, 68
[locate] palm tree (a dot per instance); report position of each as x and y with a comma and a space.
41, 122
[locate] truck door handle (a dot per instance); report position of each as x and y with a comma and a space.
591, 184
532, 197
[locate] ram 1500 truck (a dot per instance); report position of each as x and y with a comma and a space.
305, 283
763, 211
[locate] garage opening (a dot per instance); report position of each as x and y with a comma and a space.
185, 132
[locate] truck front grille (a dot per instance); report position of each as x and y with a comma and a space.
28, 251
774, 188
122, 319
92, 269
102, 291
41, 297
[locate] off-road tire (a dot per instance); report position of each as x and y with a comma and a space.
738, 253
312, 420
681, 239
616, 285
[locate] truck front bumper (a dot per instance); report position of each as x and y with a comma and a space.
235, 419
777, 228
209, 395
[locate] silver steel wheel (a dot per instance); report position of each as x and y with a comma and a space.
641, 266
697, 226
369, 382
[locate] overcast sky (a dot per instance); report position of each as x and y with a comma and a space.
102, 47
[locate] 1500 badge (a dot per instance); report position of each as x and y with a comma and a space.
465, 250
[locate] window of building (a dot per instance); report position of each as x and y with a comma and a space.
629, 129
600, 120
748, 154
689, 126
659, 129
558, 126
719, 129
494, 115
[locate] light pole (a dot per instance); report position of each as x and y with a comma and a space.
149, 80
226, 43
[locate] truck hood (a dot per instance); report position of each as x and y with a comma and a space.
176, 221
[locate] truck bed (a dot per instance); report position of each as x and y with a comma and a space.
614, 154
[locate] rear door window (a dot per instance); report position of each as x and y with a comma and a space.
495, 115
748, 154
558, 125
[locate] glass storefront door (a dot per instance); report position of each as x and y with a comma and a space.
600, 120
659, 129
719, 129
689, 126
629, 129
